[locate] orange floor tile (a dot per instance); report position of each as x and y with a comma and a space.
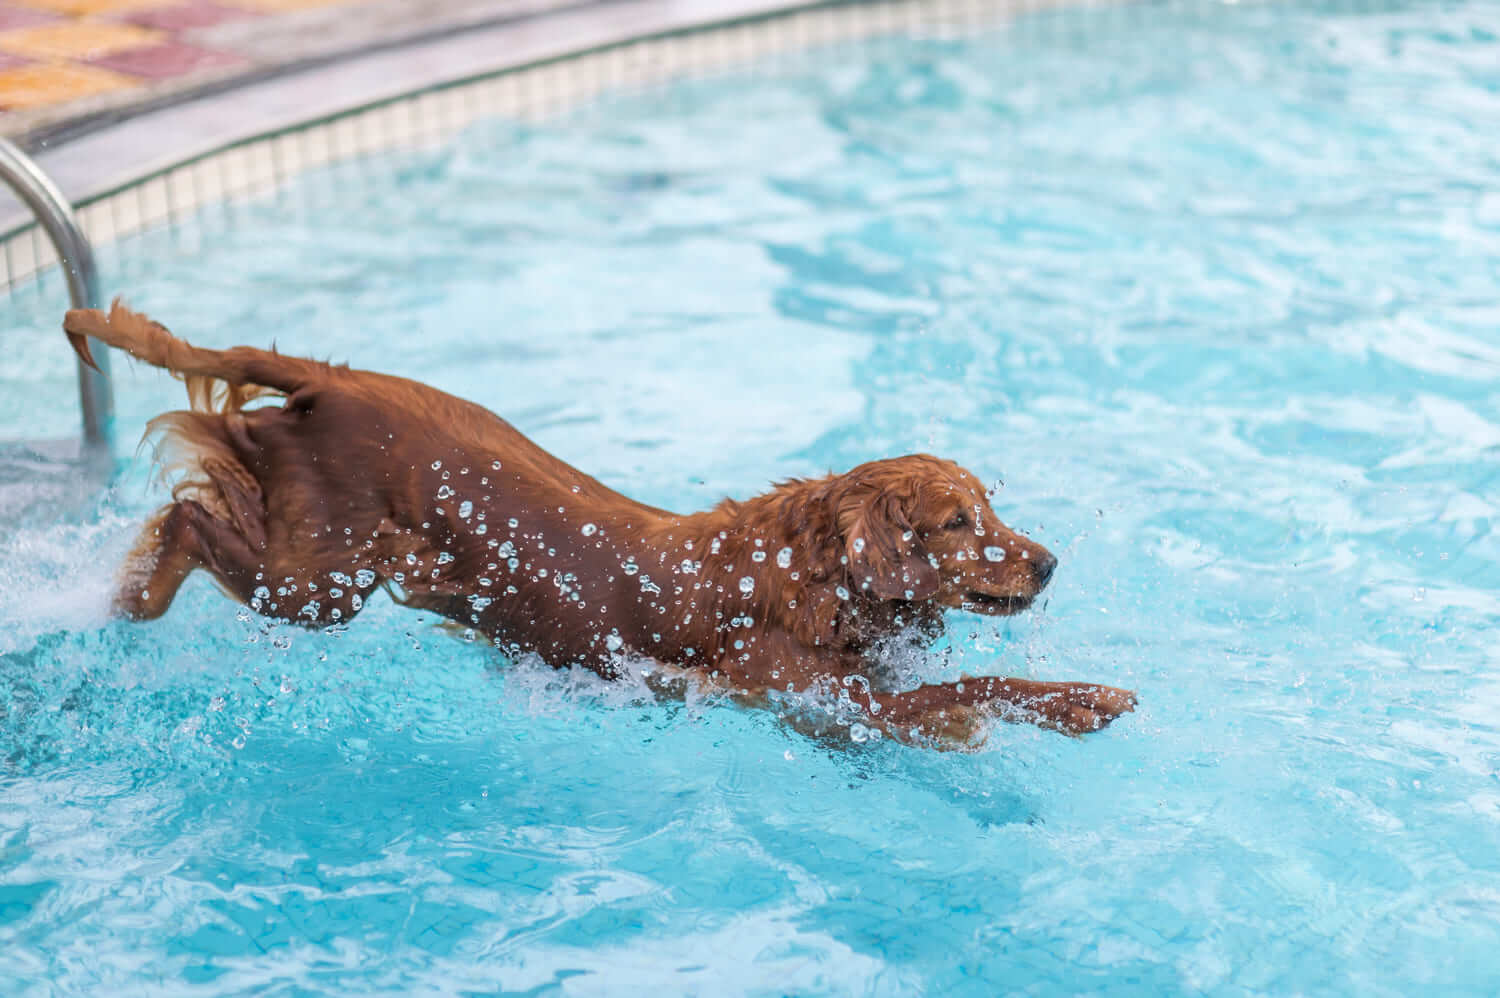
76, 39
52, 83
79, 8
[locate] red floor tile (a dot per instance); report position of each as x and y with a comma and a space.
12, 16
186, 16
157, 62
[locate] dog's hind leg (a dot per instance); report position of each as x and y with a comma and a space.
182, 537
186, 536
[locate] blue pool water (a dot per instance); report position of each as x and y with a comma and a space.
1216, 294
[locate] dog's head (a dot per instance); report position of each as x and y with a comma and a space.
921, 529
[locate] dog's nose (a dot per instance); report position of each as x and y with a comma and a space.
1044, 565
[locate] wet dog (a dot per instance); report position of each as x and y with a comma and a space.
359, 480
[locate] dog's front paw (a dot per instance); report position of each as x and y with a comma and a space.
1078, 708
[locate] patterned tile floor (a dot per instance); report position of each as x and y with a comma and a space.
69, 65
56, 52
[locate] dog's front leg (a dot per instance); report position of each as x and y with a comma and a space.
949, 710
950, 715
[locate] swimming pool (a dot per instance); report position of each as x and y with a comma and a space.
1213, 292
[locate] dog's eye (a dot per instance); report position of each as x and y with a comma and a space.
957, 521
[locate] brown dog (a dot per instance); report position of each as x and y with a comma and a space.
359, 480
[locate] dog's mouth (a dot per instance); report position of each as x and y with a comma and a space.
996, 605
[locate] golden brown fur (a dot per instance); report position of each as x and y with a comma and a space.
358, 480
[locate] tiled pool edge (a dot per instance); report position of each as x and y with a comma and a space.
161, 166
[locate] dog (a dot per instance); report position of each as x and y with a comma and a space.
359, 480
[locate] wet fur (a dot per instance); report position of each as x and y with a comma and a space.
358, 480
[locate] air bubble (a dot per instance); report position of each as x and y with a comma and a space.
993, 553
589, 529
465, 510
747, 585
784, 557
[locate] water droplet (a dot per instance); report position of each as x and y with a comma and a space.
631, 567
757, 556
613, 642
444, 492
589, 529
747, 585
993, 553
364, 577
784, 557
436, 465
444, 557
841, 591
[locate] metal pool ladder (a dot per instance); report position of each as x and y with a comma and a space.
76, 256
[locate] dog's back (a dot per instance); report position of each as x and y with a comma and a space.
267, 498
301, 509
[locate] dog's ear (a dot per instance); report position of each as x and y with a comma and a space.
886, 557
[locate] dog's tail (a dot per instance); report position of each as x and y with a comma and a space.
217, 380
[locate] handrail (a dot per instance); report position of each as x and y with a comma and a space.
56, 218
